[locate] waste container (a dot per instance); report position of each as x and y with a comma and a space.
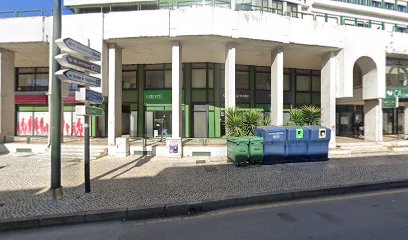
319, 138
256, 149
297, 144
238, 150
274, 144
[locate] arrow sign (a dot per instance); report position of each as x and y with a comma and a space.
78, 78
71, 46
82, 110
69, 61
87, 95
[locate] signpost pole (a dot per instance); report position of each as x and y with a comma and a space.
56, 103
87, 156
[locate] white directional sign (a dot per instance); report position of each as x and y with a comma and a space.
87, 95
71, 46
84, 110
78, 78
69, 61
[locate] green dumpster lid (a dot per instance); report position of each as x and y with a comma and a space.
238, 139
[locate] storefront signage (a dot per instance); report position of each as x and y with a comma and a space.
71, 46
83, 110
158, 96
87, 95
401, 93
390, 102
72, 62
78, 78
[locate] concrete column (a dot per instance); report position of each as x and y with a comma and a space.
230, 76
176, 81
373, 121
328, 94
115, 93
277, 87
7, 83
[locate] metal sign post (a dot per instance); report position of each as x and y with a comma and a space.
79, 68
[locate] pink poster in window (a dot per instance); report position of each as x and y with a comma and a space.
77, 125
67, 124
24, 123
41, 123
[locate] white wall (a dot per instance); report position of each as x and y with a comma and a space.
24, 29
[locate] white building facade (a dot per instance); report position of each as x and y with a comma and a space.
191, 60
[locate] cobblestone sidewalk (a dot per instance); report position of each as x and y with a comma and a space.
144, 181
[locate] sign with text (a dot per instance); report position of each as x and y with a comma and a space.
78, 78
90, 96
391, 102
83, 110
72, 62
71, 46
393, 92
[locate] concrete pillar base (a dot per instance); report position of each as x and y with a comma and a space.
373, 121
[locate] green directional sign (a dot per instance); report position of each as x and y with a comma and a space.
390, 102
82, 110
299, 133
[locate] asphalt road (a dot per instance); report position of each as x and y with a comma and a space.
379, 215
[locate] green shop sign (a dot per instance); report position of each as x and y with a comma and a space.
390, 103
401, 93
158, 96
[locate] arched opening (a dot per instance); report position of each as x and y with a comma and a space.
361, 115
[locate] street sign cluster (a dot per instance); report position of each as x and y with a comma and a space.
77, 61
77, 58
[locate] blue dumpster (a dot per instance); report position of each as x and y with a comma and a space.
297, 144
319, 138
274, 144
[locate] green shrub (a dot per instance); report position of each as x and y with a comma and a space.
239, 122
305, 116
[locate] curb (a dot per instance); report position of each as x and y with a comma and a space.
180, 209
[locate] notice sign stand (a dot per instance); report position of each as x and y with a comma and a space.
77, 59
173, 147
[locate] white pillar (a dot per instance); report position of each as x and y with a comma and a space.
406, 120
230, 76
176, 81
277, 87
7, 82
328, 94
114, 94
373, 121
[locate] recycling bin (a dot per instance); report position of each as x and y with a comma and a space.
274, 144
256, 149
297, 144
238, 150
319, 138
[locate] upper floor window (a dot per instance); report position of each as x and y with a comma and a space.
158, 76
32, 79
376, 4
129, 77
389, 6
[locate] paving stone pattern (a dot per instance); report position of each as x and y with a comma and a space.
142, 181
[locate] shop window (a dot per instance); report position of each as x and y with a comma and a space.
129, 80
154, 79
199, 79
210, 77
303, 98
32, 79
242, 77
286, 82
167, 79
263, 80
303, 83
316, 83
